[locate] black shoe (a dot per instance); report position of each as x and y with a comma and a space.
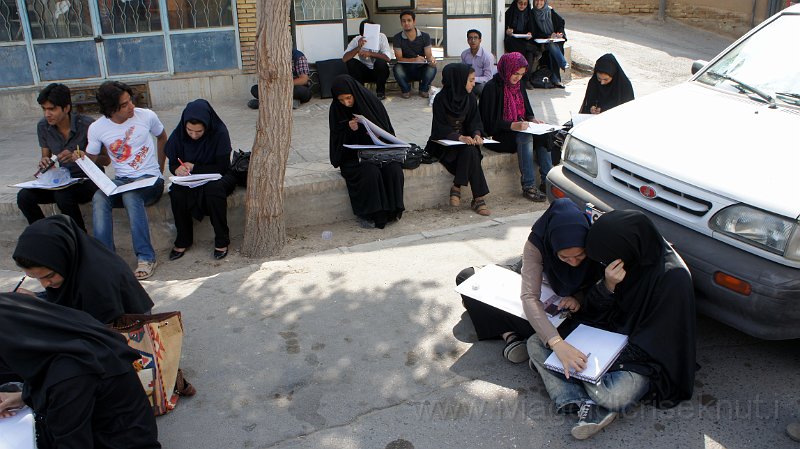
175, 255
515, 351
591, 419
533, 194
253, 104
219, 255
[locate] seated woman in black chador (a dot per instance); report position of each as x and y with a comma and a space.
456, 117
609, 86
77, 271
549, 25
553, 254
646, 294
78, 377
200, 144
519, 20
376, 193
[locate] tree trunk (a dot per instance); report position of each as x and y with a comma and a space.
265, 228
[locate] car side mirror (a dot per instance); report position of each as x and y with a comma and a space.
697, 65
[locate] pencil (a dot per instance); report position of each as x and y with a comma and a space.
19, 284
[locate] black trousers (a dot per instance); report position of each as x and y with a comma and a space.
363, 74
464, 162
67, 200
88, 411
209, 199
301, 93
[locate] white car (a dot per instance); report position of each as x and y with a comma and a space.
712, 161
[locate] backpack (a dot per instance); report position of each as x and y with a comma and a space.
540, 79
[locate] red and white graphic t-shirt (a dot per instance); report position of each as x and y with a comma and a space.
130, 145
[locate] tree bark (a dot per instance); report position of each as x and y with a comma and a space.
265, 228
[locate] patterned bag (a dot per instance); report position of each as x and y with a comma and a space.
158, 339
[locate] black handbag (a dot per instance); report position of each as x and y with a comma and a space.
417, 155
240, 163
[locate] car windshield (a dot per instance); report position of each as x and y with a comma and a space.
764, 65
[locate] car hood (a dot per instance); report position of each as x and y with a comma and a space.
721, 142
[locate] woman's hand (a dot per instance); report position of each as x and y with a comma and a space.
25, 291
595, 110
184, 169
467, 139
519, 126
571, 358
477, 139
353, 124
569, 303
529, 36
9, 403
509, 31
614, 274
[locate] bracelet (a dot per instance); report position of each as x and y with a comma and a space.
554, 341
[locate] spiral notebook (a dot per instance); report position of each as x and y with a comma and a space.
602, 348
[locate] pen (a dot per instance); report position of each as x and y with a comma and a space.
19, 283
181, 162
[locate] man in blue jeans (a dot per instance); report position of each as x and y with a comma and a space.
415, 61
125, 134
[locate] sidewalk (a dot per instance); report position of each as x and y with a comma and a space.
654, 55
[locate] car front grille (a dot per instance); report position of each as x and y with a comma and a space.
666, 195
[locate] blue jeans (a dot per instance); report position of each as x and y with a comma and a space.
557, 61
405, 73
617, 390
527, 144
134, 202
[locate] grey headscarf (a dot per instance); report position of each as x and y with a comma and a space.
543, 18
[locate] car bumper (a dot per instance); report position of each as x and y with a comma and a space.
771, 311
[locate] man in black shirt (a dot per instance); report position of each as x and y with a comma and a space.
415, 61
60, 132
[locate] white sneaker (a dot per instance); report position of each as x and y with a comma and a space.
591, 419
566, 67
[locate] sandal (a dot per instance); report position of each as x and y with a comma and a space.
479, 206
515, 351
145, 269
182, 386
455, 196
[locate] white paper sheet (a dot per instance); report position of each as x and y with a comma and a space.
544, 41
39, 184
369, 147
17, 432
450, 143
541, 128
501, 288
193, 181
601, 346
579, 118
372, 35
520, 36
105, 184
379, 136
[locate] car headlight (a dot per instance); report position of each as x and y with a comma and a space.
764, 230
581, 155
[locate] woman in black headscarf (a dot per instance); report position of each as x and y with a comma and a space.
78, 377
376, 193
520, 21
609, 86
554, 253
200, 144
456, 117
549, 25
646, 294
77, 271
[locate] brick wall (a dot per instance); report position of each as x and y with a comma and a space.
246, 11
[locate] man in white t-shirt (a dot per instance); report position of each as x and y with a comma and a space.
366, 65
126, 133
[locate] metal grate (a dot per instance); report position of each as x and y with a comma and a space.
10, 26
60, 19
306, 10
129, 16
682, 200
192, 14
